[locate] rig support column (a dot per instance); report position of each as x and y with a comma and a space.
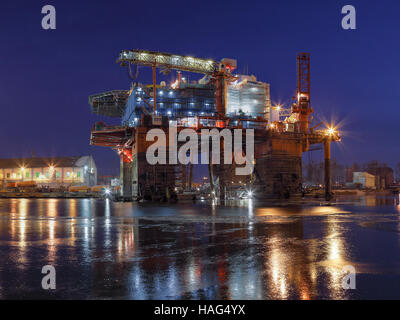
327, 157
211, 178
189, 184
126, 179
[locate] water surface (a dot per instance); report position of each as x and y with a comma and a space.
246, 250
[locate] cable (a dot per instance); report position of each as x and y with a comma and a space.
130, 72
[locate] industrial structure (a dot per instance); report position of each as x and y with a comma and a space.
52, 171
219, 100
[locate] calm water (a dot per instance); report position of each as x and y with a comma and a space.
102, 249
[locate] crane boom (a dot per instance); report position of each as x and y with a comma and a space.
168, 61
220, 71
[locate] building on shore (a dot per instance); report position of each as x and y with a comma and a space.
366, 180
53, 171
384, 175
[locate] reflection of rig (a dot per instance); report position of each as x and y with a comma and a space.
220, 100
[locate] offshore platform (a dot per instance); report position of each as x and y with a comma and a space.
219, 100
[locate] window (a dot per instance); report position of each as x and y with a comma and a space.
8, 175
37, 174
78, 174
57, 174
27, 174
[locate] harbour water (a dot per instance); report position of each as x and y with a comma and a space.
245, 250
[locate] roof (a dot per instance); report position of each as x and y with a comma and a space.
61, 162
363, 173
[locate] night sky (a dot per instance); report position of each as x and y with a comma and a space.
47, 75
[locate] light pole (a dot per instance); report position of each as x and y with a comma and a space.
331, 135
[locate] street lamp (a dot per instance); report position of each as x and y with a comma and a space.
330, 131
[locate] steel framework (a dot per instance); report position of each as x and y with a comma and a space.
167, 61
110, 103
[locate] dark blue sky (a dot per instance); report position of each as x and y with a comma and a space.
47, 75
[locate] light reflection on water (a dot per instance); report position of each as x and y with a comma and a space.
103, 249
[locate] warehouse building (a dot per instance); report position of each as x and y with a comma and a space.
365, 179
54, 171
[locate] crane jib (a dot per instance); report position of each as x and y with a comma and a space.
169, 61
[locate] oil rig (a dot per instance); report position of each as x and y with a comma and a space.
219, 100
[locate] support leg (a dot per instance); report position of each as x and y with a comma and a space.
327, 156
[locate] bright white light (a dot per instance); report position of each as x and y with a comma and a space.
331, 131
249, 193
107, 191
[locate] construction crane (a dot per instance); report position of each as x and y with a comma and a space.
219, 71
